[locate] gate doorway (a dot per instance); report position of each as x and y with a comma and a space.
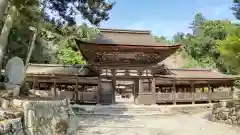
125, 93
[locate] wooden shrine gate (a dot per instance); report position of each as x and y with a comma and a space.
143, 85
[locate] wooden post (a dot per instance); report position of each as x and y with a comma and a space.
153, 86
140, 82
140, 87
232, 91
76, 90
99, 89
193, 92
54, 90
34, 83
174, 93
114, 85
210, 93
134, 92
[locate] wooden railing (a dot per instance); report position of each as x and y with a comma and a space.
146, 98
198, 96
88, 96
164, 97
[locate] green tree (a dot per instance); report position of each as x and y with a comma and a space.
200, 48
178, 38
66, 50
230, 50
197, 23
33, 13
94, 11
236, 8
162, 39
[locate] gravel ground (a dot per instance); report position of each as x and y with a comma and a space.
195, 124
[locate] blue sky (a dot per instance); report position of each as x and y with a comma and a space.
164, 17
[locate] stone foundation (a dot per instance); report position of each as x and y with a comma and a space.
38, 117
227, 112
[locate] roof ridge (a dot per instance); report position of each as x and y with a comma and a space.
125, 31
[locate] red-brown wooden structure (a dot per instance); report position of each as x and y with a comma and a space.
126, 62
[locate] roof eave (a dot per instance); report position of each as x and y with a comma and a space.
192, 78
128, 45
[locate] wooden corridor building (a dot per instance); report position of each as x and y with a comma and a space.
131, 56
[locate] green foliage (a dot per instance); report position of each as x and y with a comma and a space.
201, 47
55, 42
236, 8
197, 23
162, 39
66, 51
178, 38
230, 49
67, 55
92, 10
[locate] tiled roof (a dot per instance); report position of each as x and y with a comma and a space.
196, 73
49, 69
125, 37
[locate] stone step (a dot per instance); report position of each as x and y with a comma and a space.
120, 110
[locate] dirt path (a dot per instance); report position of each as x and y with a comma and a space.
163, 125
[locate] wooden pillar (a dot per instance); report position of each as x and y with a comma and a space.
193, 92
34, 83
232, 91
153, 87
140, 86
210, 93
99, 89
114, 85
136, 91
174, 93
76, 90
54, 90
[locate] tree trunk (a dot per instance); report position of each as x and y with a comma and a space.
30, 50
5, 32
3, 6
23, 89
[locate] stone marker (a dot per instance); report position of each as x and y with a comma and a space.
14, 71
